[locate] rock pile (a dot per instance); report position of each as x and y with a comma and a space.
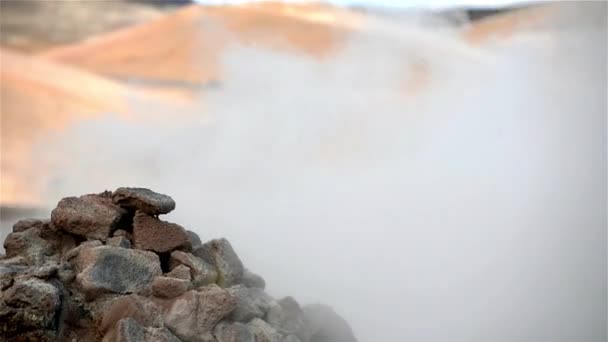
106, 268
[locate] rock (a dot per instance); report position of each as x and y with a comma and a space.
293, 338
251, 303
219, 253
89, 216
168, 287
233, 332
326, 325
253, 280
23, 225
195, 240
46, 272
193, 315
288, 318
129, 330
71, 254
65, 273
112, 269
263, 332
180, 272
140, 309
144, 200
119, 241
123, 233
201, 272
30, 306
9, 269
152, 234
31, 246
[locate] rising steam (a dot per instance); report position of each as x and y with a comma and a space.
471, 207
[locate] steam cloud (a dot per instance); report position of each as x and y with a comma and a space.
472, 210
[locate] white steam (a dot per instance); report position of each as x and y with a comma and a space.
472, 210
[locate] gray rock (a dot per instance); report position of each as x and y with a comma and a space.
293, 338
9, 269
326, 325
201, 272
109, 269
288, 318
129, 330
152, 234
46, 271
193, 315
25, 224
220, 254
251, 303
29, 306
168, 287
233, 332
119, 241
89, 216
180, 272
30, 245
253, 280
143, 199
123, 233
263, 332
195, 240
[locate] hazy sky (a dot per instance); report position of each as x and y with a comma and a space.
404, 3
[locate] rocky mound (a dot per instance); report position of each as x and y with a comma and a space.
106, 268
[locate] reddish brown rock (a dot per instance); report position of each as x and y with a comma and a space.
180, 272
167, 287
144, 200
152, 234
140, 309
89, 216
193, 315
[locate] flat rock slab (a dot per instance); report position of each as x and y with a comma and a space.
91, 216
152, 234
109, 269
145, 200
220, 254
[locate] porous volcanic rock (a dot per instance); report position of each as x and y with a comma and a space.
105, 268
116, 270
152, 234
